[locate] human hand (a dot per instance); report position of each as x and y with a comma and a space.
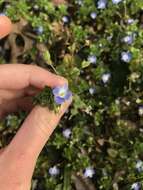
18, 83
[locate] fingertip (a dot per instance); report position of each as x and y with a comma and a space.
62, 81
5, 25
40, 77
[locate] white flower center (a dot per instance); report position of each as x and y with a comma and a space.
62, 93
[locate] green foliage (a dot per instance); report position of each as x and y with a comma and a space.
45, 98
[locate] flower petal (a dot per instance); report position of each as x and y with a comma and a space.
68, 95
59, 100
56, 90
65, 87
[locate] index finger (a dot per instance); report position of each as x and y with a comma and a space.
5, 26
18, 76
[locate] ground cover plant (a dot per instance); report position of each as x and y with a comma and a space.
98, 46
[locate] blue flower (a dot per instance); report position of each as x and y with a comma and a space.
92, 59
61, 94
116, 1
130, 21
65, 19
126, 56
92, 91
139, 166
128, 39
93, 15
136, 186
53, 171
106, 77
67, 133
102, 4
39, 30
89, 172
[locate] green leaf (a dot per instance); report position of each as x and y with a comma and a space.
75, 72
67, 179
59, 187
45, 98
112, 152
85, 64
47, 57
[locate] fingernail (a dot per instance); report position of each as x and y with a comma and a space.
62, 81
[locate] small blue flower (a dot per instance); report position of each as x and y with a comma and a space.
67, 133
54, 171
136, 186
65, 19
39, 30
92, 59
128, 39
105, 77
61, 94
102, 4
116, 1
126, 56
139, 166
89, 172
93, 15
92, 91
130, 21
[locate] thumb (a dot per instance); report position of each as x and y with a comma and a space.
5, 26
33, 134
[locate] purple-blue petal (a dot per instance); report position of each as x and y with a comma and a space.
65, 86
68, 95
56, 90
59, 100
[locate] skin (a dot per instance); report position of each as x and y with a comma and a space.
58, 2
18, 83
